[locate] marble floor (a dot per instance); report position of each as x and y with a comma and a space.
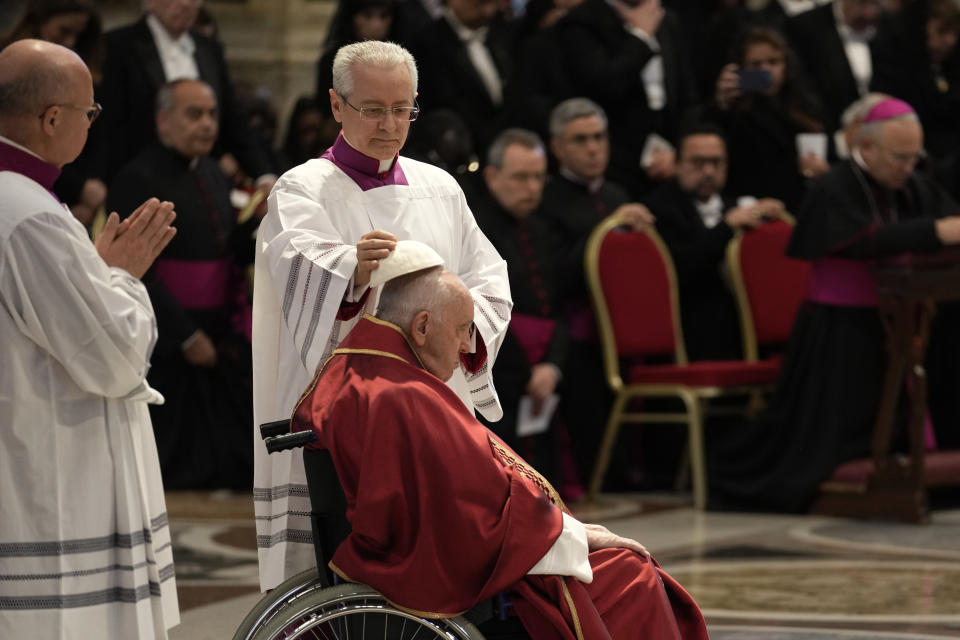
756, 577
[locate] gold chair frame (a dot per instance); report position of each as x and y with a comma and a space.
751, 350
693, 397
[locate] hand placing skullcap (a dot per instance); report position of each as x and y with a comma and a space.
407, 257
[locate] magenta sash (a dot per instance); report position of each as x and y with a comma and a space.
196, 284
534, 334
843, 282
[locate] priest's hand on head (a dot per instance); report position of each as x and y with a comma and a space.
373, 247
135, 243
599, 537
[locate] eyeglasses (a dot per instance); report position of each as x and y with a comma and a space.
379, 114
702, 162
92, 112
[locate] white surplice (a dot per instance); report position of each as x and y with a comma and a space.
84, 542
306, 256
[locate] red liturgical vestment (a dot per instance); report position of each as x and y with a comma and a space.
444, 515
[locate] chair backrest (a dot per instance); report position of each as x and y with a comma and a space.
768, 285
633, 286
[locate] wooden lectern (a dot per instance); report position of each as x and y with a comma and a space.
891, 484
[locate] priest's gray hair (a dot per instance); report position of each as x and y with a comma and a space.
874, 130
523, 137
165, 101
375, 53
572, 109
405, 296
28, 92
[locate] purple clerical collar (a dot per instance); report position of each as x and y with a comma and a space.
13, 158
363, 169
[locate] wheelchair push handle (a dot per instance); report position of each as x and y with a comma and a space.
276, 428
289, 441
277, 436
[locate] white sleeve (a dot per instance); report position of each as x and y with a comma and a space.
95, 320
569, 554
311, 267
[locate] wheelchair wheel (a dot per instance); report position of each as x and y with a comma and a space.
356, 611
278, 599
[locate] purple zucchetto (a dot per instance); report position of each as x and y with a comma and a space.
886, 109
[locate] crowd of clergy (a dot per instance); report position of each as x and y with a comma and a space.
532, 123
699, 119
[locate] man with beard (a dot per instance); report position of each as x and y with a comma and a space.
696, 222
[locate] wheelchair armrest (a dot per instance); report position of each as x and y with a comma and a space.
276, 428
289, 441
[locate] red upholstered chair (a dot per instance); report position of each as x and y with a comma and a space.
633, 285
769, 286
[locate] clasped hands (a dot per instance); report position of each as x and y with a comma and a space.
133, 245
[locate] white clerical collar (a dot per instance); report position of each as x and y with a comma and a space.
858, 159
710, 211
592, 185
16, 145
465, 33
165, 41
384, 164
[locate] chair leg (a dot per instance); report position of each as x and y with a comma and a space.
682, 478
698, 465
606, 447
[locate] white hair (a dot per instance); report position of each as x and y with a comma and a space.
383, 55
572, 109
874, 130
403, 297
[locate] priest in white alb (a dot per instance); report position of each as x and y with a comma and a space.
329, 221
84, 541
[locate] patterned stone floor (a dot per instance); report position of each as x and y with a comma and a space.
756, 577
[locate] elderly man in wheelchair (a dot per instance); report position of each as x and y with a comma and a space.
428, 520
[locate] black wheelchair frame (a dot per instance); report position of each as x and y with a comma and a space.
314, 604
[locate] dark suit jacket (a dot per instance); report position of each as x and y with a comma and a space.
711, 327
903, 68
814, 38
605, 61
448, 80
132, 76
574, 212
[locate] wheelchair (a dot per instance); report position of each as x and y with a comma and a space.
312, 606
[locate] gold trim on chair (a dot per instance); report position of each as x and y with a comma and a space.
751, 349
693, 417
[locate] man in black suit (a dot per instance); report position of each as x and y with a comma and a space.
144, 56
628, 56
463, 58
832, 43
575, 200
533, 354
696, 223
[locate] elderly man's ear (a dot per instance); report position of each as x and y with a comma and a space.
418, 328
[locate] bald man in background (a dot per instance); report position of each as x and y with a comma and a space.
84, 542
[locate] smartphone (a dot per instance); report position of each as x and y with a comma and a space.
754, 80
